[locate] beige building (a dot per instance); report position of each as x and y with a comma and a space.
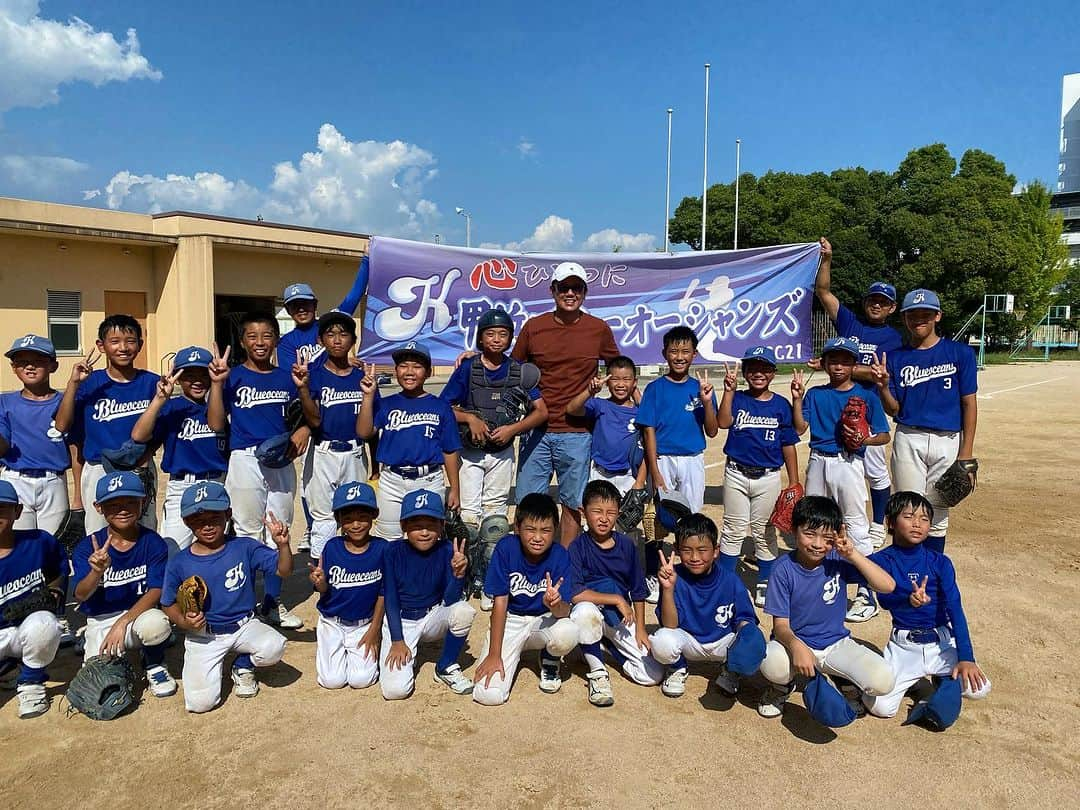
63, 268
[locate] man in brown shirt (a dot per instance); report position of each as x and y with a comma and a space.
566, 345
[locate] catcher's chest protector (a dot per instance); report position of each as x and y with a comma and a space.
486, 397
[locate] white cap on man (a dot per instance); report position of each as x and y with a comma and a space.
567, 270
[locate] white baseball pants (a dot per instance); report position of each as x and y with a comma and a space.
324, 471
44, 500
640, 667
748, 503
257, 490
397, 684
339, 661
845, 658
841, 478
686, 474
875, 468
173, 529
485, 480
392, 488
148, 630
204, 655
919, 458
910, 663
669, 643
557, 636
91, 474
34, 642
623, 482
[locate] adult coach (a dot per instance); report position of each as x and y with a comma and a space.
566, 345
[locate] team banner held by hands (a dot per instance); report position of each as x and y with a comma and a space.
732, 299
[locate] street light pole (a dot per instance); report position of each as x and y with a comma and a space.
667, 192
738, 145
468, 225
705, 164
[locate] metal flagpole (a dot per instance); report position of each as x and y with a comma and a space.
738, 145
667, 193
705, 166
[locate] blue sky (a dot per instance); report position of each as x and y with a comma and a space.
547, 123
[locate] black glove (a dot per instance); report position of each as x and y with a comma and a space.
103, 688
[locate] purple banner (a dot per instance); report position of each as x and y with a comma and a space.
732, 299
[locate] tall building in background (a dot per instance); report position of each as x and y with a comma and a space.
1069, 163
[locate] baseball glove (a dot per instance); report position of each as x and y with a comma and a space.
294, 416
40, 598
191, 595
631, 510
785, 505
455, 527
854, 416
72, 529
958, 481
103, 688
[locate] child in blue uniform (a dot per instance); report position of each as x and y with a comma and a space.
930, 635
99, 408
419, 443
349, 580
119, 571
34, 455
529, 579
702, 608
29, 559
227, 622
677, 413
929, 387
191, 450
424, 581
806, 601
760, 441
608, 591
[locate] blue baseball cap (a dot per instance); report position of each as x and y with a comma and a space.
671, 507
921, 299
943, 707
422, 502
842, 344
414, 348
299, 292
882, 288
274, 452
763, 353
355, 493
747, 651
206, 496
124, 457
8, 493
32, 343
124, 484
192, 357
826, 704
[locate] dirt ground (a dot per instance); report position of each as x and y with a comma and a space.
1014, 543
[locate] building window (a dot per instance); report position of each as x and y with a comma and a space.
65, 320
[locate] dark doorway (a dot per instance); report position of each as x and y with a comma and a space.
228, 309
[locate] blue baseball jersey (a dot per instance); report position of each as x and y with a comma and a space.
301, 342
928, 384
674, 410
415, 580
711, 605
908, 566
339, 400
229, 574
132, 573
760, 430
106, 410
415, 430
615, 435
35, 443
589, 564
356, 580
813, 600
510, 574
189, 445
872, 339
255, 402
37, 559
456, 391
822, 407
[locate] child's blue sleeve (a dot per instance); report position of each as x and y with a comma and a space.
449, 436
955, 610
778, 596
577, 569
879, 422
456, 391
969, 383
391, 601
744, 607
174, 575
646, 415
455, 586
155, 565
497, 580
263, 558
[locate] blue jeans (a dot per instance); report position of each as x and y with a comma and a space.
564, 454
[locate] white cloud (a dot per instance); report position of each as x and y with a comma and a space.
556, 234
40, 174
38, 55
369, 186
526, 148
553, 234
603, 242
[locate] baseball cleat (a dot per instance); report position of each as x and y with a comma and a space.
282, 617
304, 543
759, 593
244, 683
458, 681
863, 608
772, 702
550, 679
32, 700
653, 584
162, 684
674, 684
600, 693
727, 682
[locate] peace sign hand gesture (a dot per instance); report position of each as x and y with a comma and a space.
85, 367
552, 597
300, 374
880, 371
219, 365
666, 573
706, 386
99, 557
597, 383
843, 545
369, 383
797, 389
459, 563
318, 577
279, 531
167, 384
731, 376
919, 596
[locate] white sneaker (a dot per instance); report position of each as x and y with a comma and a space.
653, 584
772, 702
600, 693
759, 593
727, 682
244, 683
863, 608
67, 638
877, 535
550, 678
486, 603
9, 673
674, 684
161, 683
283, 618
458, 681
32, 700
304, 543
